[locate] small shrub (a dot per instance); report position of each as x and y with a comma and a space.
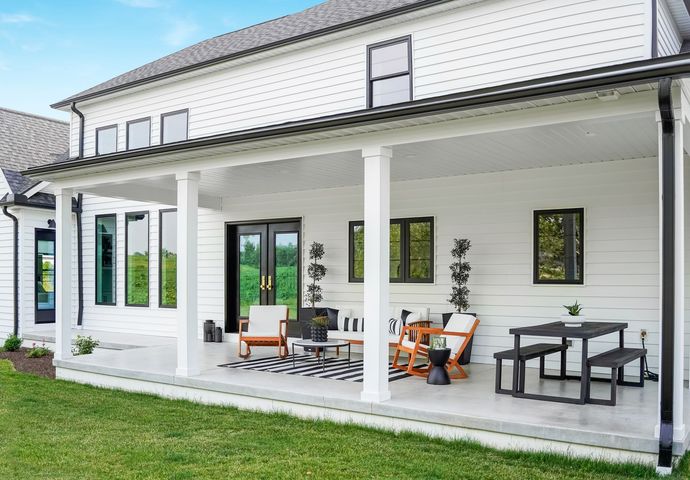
38, 352
84, 345
12, 343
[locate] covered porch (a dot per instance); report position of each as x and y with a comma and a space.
480, 168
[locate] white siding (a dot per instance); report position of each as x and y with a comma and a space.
495, 212
669, 39
150, 320
484, 44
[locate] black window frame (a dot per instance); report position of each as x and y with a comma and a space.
160, 258
131, 122
169, 114
148, 243
370, 80
535, 245
107, 127
404, 250
95, 257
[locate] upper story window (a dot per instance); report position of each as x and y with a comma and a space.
174, 126
559, 246
139, 133
411, 250
390, 72
106, 140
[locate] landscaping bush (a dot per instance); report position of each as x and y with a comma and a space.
38, 352
12, 343
84, 345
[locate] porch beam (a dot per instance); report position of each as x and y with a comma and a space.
221, 157
145, 193
187, 276
376, 272
63, 273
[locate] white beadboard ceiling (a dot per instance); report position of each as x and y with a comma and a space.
680, 15
538, 147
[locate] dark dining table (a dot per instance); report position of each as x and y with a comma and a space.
584, 332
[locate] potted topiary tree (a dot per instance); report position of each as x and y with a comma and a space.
460, 295
316, 272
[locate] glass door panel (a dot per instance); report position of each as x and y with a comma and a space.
45, 276
285, 283
251, 286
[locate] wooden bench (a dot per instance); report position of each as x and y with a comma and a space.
530, 352
616, 360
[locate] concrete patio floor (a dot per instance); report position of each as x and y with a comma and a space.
465, 409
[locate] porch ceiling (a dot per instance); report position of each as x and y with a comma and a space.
546, 146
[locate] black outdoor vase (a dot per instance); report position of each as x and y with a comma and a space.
438, 374
319, 334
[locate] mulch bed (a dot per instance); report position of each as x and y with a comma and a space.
42, 366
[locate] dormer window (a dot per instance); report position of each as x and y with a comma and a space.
389, 66
174, 126
106, 140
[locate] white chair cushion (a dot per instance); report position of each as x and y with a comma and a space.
264, 320
461, 323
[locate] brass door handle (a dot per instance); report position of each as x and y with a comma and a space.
270, 283
263, 282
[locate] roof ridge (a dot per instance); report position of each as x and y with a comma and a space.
34, 115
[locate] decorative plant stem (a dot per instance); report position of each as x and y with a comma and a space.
316, 273
460, 274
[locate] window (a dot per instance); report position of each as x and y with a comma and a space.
559, 246
138, 133
390, 72
106, 140
411, 250
167, 272
106, 266
137, 251
174, 126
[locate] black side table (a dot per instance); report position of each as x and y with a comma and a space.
438, 375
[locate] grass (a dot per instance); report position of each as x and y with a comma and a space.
62, 430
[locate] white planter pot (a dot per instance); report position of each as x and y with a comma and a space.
572, 320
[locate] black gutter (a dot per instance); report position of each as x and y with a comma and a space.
668, 229
251, 51
77, 208
655, 29
642, 71
74, 108
15, 269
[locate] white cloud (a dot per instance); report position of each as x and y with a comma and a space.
142, 3
180, 32
15, 18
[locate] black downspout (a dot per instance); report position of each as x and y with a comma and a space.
77, 208
667, 271
15, 267
74, 108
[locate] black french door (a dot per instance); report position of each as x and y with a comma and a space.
264, 268
44, 268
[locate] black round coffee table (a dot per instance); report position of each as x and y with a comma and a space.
438, 375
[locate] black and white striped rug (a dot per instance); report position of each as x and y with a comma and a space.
306, 365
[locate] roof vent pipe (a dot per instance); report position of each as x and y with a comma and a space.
74, 109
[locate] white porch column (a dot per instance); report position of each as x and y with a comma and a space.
187, 323
63, 273
376, 272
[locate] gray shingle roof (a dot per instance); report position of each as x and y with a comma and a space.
17, 182
28, 140
327, 15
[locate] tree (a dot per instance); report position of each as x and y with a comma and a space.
316, 272
460, 274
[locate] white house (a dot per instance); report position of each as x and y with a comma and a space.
458, 118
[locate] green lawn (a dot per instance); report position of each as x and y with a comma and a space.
61, 430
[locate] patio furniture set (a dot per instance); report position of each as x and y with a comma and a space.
267, 326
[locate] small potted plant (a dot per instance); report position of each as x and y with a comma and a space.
573, 316
319, 328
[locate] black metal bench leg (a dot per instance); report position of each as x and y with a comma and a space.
588, 395
499, 371
642, 359
521, 387
542, 366
615, 373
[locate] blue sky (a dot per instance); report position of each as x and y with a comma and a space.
50, 49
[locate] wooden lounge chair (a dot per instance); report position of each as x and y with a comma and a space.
457, 332
266, 327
